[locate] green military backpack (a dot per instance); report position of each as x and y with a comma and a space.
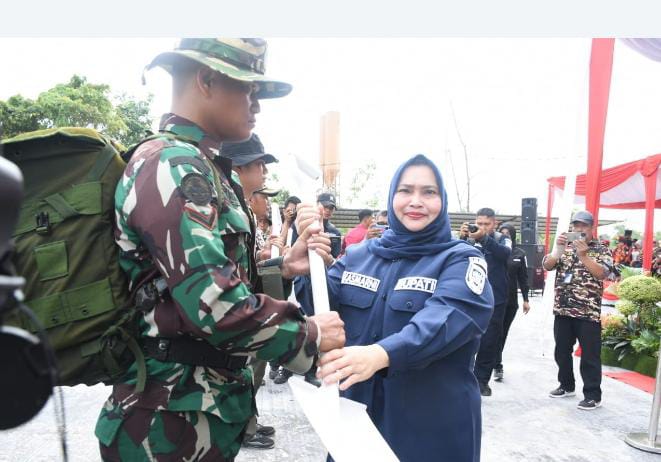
66, 252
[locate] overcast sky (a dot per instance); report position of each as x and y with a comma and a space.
519, 103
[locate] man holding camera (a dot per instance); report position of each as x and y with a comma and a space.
379, 226
580, 268
497, 249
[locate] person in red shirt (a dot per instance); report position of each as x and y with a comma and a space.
357, 234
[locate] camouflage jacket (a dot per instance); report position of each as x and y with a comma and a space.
577, 292
178, 208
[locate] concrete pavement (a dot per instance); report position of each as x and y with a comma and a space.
520, 422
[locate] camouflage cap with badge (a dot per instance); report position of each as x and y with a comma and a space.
238, 58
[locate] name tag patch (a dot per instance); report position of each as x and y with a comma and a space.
360, 280
417, 283
476, 274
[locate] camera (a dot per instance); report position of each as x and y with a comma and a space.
575, 236
472, 228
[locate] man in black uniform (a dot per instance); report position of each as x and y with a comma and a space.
517, 273
327, 200
497, 249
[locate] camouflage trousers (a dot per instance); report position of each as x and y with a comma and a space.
167, 436
258, 370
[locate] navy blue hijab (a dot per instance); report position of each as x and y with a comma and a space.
399, 242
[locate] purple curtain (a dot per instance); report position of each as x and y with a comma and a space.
649, 47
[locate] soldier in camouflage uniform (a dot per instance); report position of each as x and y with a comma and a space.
182, 219
581, 269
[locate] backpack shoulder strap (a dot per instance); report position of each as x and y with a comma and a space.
155, 136
104, 158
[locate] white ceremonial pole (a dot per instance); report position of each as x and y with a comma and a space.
649, 441
317, 266
342, 424
276, 228
570, 166
564, 215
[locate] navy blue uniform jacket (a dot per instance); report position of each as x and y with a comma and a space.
428, 314
497, 250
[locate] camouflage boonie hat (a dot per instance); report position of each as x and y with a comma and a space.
238, 58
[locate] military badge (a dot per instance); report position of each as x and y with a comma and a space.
476, 274
202, 215
197, 189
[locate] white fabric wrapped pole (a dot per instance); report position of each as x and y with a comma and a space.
570, 167
276, 228
342, 425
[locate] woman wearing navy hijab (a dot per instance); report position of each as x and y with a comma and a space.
415, 303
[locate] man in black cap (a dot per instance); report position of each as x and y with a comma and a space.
327, 200
517, 275
249, 162
580, 268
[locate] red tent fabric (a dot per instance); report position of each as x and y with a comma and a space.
601, 68
634, 185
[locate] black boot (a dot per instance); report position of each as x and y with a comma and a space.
258, 441
282, 376
485, 389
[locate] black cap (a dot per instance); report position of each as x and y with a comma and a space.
583, 217
327, 199
268, 192
244, 152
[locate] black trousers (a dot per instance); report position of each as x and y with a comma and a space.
489, 351
510, 312
566, 331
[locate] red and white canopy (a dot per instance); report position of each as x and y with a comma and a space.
634, 185
621, 187
628, 186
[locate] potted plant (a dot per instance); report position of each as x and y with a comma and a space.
631, 340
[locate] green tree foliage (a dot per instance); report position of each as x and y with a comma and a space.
273, 181
78, 103
135, 115
18, 115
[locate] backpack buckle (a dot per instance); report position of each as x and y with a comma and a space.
149, 294
43, 223
162, 349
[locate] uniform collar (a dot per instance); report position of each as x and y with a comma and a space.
209, 145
